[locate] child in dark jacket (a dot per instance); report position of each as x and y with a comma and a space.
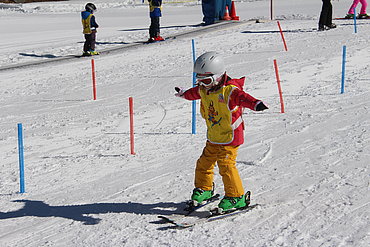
155, 12
89, 29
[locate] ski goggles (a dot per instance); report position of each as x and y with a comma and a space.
205, 79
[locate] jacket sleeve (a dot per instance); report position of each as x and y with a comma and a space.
192, 93
93, 22
241, 98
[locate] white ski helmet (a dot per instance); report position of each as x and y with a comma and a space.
209, 68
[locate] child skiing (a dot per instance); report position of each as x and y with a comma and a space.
89, 29
155, 12
222, 102
351, 11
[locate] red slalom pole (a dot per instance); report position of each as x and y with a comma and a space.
131, 106
93, 77
279, 86
282, 36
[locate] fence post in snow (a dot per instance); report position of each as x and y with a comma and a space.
194, 103
343, 68
282, 36
93, 78
279, 86
272, 10
21, 159
354, 20
131, 107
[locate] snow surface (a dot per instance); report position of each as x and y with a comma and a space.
307, 168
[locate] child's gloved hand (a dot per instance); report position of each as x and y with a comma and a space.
180, 92
261, 106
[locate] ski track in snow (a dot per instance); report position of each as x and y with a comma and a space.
307, 168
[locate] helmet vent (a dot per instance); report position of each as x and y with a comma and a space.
209, 63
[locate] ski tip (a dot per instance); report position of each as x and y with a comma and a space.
184, 225
163, 217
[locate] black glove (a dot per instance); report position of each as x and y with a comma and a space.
261, 106
180, 92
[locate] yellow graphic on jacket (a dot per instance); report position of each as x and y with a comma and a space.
212, 114
218, 116
86, 25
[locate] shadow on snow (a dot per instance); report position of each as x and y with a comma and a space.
164, 27
35, 55
81, 212
284, 31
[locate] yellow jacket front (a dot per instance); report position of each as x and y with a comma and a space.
222, 110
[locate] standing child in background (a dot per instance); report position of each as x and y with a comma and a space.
222, 102
155, 12
351, 11
326, 16
89, 29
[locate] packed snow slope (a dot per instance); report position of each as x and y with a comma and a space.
308, 168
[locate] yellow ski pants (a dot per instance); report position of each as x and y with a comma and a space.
225, 156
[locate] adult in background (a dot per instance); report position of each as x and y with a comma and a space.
209, 11
214, 10
326, 16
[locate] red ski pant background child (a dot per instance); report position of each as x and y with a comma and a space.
225, 157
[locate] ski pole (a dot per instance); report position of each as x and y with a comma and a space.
271, 10
282, 36
93, 77
131, 106
279, 86
343, 68
21, 159
194, 103
354, 20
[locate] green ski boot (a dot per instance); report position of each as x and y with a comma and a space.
363, 16
233, 203
93, 53
200, 196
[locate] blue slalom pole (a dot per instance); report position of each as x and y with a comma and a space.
354, 20
21, 159
194, 103
343, 68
